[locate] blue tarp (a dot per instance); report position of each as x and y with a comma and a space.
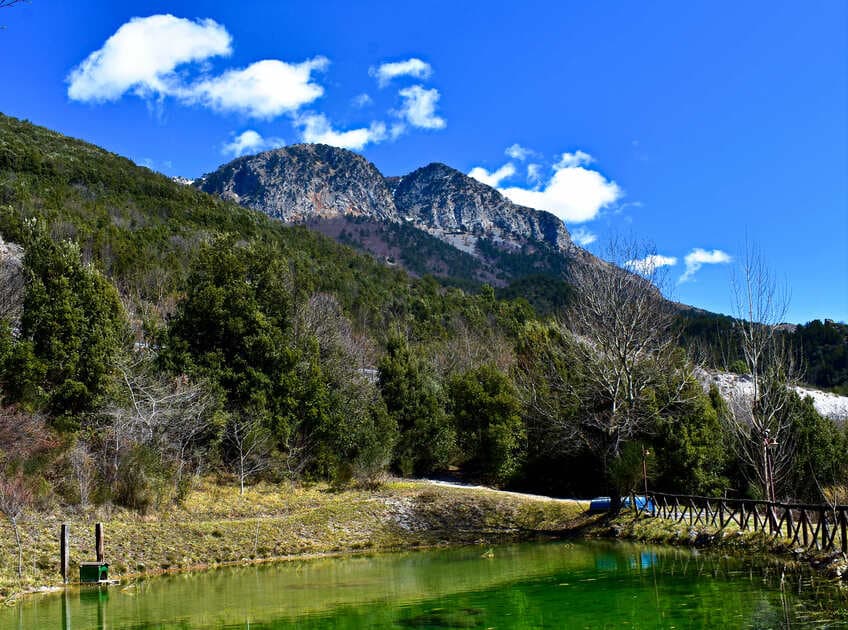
602, 504
642, 503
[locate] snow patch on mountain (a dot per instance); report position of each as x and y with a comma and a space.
730, 385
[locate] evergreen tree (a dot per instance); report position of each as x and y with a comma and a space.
487, 416
72, 328
416, 402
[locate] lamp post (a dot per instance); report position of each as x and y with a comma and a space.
768, 443
645, 453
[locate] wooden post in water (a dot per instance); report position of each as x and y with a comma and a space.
66, 611
64, 552
98, 541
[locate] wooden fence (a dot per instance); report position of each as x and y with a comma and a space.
822, 527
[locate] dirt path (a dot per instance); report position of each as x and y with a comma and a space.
522, 495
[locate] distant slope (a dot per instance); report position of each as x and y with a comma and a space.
143, 229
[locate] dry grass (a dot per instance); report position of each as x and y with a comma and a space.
215, 526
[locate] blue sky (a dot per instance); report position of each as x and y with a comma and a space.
695, 125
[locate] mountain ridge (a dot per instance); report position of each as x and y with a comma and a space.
308, 182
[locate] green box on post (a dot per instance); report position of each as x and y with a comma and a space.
94, 572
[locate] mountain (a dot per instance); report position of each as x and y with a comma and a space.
304, 181
343, 195
454, 207
144, 231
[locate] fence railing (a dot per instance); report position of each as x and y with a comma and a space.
821, 527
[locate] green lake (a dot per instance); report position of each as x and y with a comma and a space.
541, 585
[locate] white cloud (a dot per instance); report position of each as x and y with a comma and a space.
145, 54
517, 152
250, 141
264, 89
494, 178
317, 128
583, 237
647, 265
142, 56
534, 173
413, 67
575, 194
419, 107
362, 100
570, 160
698, 257
397, 130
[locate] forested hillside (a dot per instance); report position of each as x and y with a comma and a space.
157, 333
820, 348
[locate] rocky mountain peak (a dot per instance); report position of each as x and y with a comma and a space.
445, 200
307, 182
304, 181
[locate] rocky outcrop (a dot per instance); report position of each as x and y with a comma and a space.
305, 182
11, 281
445, 202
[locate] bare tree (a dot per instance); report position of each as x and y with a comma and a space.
758, 416
626, 334
470, 347
250, 442
24, 435
626, 337
15, 496
84, 470
171, 414
322, 316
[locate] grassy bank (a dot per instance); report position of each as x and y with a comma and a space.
217, 526
729, 539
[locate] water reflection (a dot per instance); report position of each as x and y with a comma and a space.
541, 585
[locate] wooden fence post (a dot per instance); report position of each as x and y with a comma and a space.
64, 552
98, 541
824, 534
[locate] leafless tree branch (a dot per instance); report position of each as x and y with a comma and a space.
627, 338
758, 416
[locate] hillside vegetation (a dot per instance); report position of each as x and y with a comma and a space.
162, 336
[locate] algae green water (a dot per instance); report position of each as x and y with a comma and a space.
556, 585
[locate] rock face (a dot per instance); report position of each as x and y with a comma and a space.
305, 182
447, 202
11, 281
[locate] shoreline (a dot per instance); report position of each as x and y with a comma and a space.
401, 516
217, 528
832, 566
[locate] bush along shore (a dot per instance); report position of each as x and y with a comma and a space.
217, 526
